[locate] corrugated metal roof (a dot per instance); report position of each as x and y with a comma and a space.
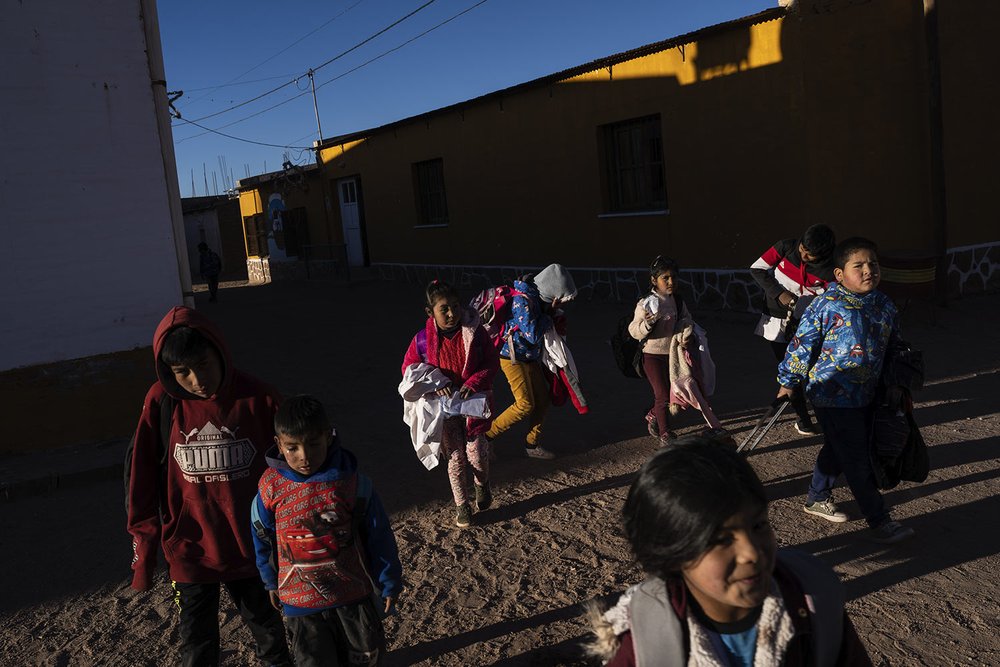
600, 63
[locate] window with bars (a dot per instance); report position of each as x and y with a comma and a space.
428, 184
633, 166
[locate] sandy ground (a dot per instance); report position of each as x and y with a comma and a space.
508, 591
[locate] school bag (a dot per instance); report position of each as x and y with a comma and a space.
494, 307
627, 350
162, 448
359, 521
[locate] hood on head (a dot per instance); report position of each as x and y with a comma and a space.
184, 316
555, 282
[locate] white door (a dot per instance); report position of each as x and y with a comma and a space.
350, 217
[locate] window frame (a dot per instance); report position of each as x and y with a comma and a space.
633, 176
425, 190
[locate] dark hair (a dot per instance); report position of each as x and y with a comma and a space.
848, 247
661, 265
301, 417
202, 246
819, 240
681, 499
437, 289
184, 345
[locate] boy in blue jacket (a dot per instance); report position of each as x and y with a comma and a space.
838, 352
323, 541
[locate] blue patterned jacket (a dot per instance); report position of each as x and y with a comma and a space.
839, 348
527, 322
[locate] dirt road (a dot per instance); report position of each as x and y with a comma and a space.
508, 591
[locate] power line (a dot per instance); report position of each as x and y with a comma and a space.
231, 83
397, 48
340, 76
336, 57
249, 141
270, 58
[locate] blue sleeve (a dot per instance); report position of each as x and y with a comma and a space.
794, 368
264, 547
383, 554
530, 327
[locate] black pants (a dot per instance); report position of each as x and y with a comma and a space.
199, 622
350, 635
213, 287
798, 396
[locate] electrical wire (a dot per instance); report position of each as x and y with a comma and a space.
340, 76
272, 57
229, 136
324, 64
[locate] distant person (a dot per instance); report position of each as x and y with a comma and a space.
663, 323
718, 590
837, 354
191, 494
792, 272
453, 342
325, 549
210, 266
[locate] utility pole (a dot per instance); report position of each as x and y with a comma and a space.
312, 83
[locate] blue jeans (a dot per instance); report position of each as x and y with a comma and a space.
846, 444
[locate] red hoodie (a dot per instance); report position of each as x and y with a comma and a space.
214, 459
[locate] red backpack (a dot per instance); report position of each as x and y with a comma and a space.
494, 307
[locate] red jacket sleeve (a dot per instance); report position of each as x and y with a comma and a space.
625, 656
489, 362
411, 357
144, 492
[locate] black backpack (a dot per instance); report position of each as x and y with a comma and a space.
166, 419
628, 350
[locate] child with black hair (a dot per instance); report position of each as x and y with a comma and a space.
322, 538
837, 355
719, 591
453, 341
664, 324
791, 272
192, 493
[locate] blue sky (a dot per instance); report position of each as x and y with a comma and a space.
255, 46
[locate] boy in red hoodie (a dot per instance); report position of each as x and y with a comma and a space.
197, 503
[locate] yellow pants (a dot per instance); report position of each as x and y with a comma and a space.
531, 399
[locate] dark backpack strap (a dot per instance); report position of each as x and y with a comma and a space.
657, 633
166, 422
824, 600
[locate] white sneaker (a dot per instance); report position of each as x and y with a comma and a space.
538, 452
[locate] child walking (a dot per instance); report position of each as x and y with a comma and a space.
453, 341
837, 354
322, 539
658, 318
538, 298
791, 272
718, 590
191, 493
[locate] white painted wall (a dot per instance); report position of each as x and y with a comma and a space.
87, 257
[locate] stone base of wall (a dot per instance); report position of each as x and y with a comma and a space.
974, 269
258, 270
710, 289
262, 270
87, 400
